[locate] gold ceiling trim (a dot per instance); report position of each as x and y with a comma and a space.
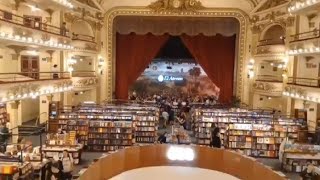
176, 6
146, 11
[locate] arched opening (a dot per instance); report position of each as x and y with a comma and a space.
81, 30
275, 34
215, 37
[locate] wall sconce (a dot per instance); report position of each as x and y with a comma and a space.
251, 69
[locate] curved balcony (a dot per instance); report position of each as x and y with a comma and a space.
33, 24
21, 85
303, 6
305, 43
219, 160
269, 78
268, 85
84, 43
22, 77
273, 47
306, 82
84, 80
84, 38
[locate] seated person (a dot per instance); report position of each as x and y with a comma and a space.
162, 138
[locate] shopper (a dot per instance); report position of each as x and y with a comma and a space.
4, 135
182, 119
165, 116
162, 138
215, 138
67, 165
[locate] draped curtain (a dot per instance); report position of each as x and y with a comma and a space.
216, 56
133, 54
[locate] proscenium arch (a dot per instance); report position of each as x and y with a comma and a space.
110, 16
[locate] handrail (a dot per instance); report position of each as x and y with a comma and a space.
228, 162
83, 37
310, 82
305, 35
22, 21
83, 74
32, 76
265, 42
270, 78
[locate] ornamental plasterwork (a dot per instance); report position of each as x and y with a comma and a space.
176, 6
147, 11
266, 88
22, 88
85, 82
269, 4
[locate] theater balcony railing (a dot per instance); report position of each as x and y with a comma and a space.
305, 43
303, 6
270, 47
84, 43
268, 85
21, 85
33, 24
269, 78
84, 38
84, 80
304, 82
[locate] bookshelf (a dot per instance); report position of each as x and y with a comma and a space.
4, 118
110, 135
257, 134
81, 127
145, 127
297, 157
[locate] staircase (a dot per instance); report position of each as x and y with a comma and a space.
25, 130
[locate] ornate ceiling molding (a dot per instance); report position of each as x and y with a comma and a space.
176, 6
147, 11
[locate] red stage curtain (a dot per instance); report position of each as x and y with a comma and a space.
133, 55
216, 56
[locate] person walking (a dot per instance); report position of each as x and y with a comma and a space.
215, 138
67, 165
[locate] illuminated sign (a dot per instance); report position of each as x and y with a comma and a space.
162, 78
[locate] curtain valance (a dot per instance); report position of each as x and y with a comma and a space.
176, 26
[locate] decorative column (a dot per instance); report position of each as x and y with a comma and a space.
15, 117
44, 101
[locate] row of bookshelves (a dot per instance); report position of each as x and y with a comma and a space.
254, 133
108, 127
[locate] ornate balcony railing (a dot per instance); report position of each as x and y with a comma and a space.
27, 22
305, 36
82, 37
269, 78
267, 42
83, 74
308, 82
32, 76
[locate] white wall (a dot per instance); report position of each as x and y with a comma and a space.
86, 96
277, 103
29, 109
303, 71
